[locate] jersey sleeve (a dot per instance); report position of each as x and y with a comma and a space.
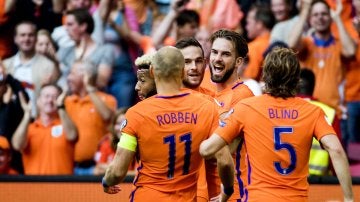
132, 122
231, 127
245, 92
322, 126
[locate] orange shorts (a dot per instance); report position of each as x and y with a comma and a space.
149, 194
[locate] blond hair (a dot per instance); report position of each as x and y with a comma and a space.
144, 61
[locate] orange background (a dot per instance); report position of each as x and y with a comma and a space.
56, 191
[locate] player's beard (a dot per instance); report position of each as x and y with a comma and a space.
224, 78
151, 93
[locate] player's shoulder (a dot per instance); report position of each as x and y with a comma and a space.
240, 88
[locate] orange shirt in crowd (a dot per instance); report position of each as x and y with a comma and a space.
48, 152
257, 48
324, 59
90, 125
278, 136
169, 130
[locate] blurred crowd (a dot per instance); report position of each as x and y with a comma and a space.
68, 72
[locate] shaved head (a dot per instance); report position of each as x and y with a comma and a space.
168, 63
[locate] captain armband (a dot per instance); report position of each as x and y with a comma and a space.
128, 142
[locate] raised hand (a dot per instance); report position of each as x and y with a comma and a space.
60, 99
26, 106
178, 5
337, 12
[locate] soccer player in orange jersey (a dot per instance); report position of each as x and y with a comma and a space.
194, 70
166, 130
145, 85
278, 129
228, 51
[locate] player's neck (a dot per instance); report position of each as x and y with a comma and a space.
230, 82
168, 87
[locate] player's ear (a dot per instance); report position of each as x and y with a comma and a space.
239, 61
151, 71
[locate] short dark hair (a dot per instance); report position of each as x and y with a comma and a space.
26, 22
187, 16
83, 16
58, 88
320, 1
264, 14
186, 42
281, 73
307, 82
239, 41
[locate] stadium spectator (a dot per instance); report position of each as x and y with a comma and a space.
167, 66
322, 52
282, 30
281, 9
32, 69
259, 23
60, 34
122, 20
287, 124
11, 112
45, 45
47, 144
145, 11
80, 25
5, 157
91, 110
40, 12
187, 24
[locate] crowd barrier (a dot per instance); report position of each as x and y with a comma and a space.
88, 188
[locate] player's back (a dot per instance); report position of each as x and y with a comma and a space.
278, 135
169, 135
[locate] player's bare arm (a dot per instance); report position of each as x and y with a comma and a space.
338, 157
209, 147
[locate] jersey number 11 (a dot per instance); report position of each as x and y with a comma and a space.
186, 139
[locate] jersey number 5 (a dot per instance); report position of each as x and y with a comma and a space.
278, 131
186, 138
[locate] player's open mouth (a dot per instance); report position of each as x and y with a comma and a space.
218, 69
193, 75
